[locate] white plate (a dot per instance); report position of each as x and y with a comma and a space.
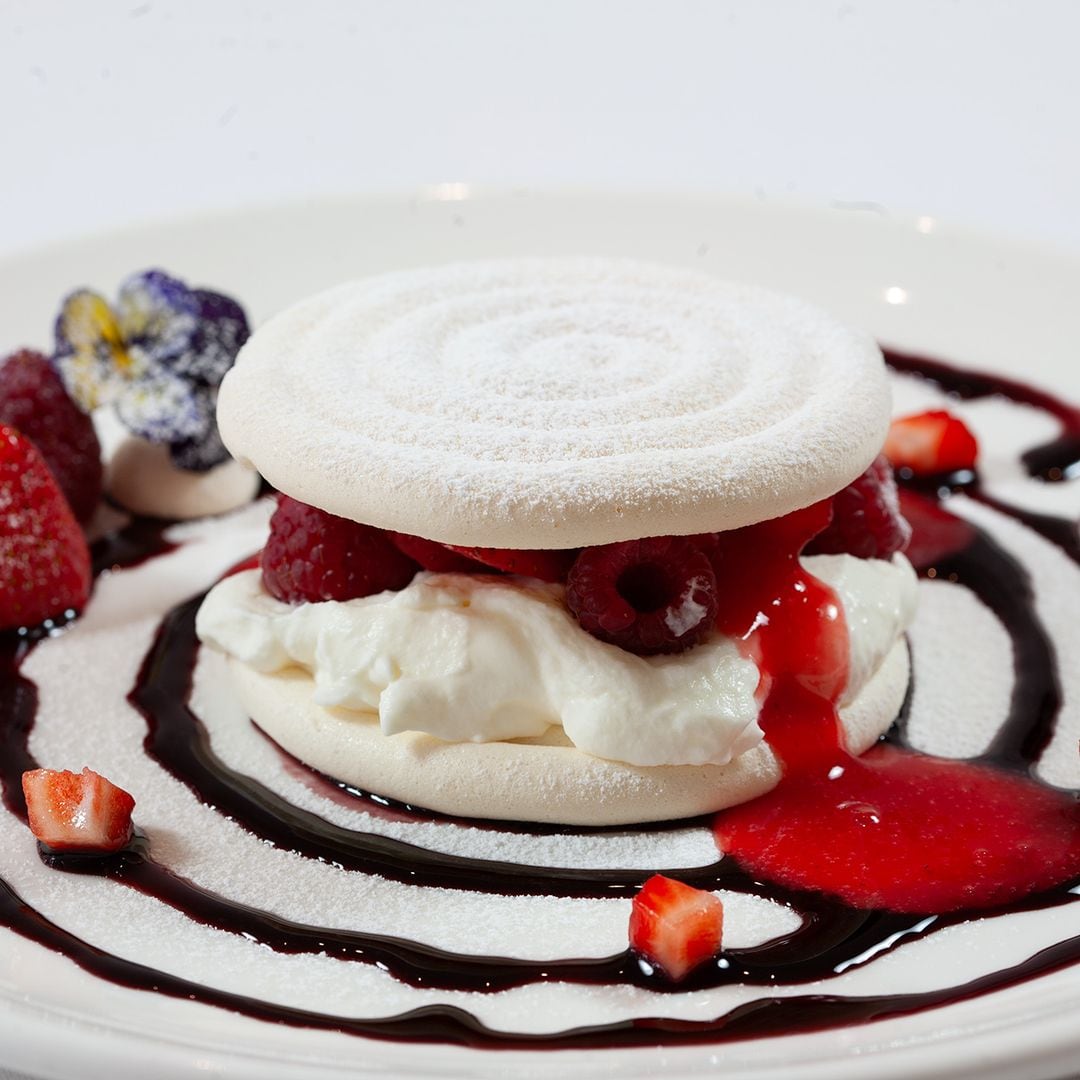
914, 283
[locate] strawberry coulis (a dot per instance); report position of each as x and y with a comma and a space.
802, 680
893, 829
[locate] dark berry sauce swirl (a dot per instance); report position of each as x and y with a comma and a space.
840, 927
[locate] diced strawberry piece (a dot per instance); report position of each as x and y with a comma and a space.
931, 443
77, 811
675, 927
547, 565
44, 560
436, 557
34, 400
312, 555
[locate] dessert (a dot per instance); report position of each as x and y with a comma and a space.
262, 888
614, 423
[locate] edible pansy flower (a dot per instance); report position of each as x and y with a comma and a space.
158, 356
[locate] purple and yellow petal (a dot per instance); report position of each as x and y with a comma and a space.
158, 316
223, 329
162, 408
159, 357
90, 353
200, 455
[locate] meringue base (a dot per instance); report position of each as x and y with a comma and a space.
544, 779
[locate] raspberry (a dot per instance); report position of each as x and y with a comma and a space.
312, 555
439, 558
33, 399
44, 560
656, 595
867, 521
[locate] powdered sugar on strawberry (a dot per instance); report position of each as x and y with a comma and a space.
931, 443
78, 812
674, 927
44, 560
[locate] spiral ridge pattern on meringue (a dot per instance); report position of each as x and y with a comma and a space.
555, 402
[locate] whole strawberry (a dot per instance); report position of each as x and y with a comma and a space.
44, 560
33, 399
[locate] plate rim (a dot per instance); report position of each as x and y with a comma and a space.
1058, 1040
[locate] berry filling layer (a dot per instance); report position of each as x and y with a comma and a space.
480, 658
645, 652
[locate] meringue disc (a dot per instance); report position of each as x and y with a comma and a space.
555, 402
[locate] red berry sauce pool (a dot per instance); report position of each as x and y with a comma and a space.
873, 852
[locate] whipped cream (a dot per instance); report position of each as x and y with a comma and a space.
480, 659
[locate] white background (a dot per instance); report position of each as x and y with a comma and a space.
115, 111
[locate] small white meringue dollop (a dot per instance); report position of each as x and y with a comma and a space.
141, 477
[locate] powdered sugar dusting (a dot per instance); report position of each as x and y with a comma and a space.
631, 399
84, 675
214, 852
